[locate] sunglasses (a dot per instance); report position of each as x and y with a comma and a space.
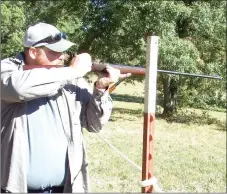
52, 38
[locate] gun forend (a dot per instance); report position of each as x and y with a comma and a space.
123, 68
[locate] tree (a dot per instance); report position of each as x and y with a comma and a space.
192, 39
184, 28
11, 32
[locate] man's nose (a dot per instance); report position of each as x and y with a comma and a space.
61, 57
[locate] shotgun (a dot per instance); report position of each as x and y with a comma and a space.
100, 67
97, 67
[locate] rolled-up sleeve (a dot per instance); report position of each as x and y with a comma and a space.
103, 111
96, 109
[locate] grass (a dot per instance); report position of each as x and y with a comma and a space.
189, 150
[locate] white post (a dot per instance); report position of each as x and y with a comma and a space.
149, 110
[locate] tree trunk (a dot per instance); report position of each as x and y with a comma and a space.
170, 96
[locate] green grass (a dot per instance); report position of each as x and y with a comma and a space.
189, 150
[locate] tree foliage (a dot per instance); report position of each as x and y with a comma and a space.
192, 38
12, 28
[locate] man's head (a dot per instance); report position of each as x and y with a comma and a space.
43, 34
45, 44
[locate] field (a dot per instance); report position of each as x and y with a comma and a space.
189, 150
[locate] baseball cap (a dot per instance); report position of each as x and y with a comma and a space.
43, 34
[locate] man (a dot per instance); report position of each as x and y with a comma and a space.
43, 111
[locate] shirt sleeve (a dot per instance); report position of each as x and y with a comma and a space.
96, 107
19, 86
102, 112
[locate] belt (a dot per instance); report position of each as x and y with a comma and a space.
54, 189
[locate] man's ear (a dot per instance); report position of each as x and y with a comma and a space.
32, 52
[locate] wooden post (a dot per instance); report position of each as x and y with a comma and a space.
149, 110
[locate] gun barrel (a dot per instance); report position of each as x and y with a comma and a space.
190, 74
125, 69
141, 71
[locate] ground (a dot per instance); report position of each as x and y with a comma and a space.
189, 150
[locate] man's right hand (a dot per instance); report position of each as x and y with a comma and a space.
81, 63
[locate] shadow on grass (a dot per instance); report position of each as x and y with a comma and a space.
127, 98
118, 113
181, 117
138, 112
133, 99
193, 118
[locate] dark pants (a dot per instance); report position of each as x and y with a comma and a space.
46, 190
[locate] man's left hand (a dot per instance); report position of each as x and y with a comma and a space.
112, 75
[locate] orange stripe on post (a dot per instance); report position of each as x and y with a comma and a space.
148, 147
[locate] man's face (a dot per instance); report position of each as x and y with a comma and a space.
46, 56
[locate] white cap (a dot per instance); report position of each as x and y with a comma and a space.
40, 31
